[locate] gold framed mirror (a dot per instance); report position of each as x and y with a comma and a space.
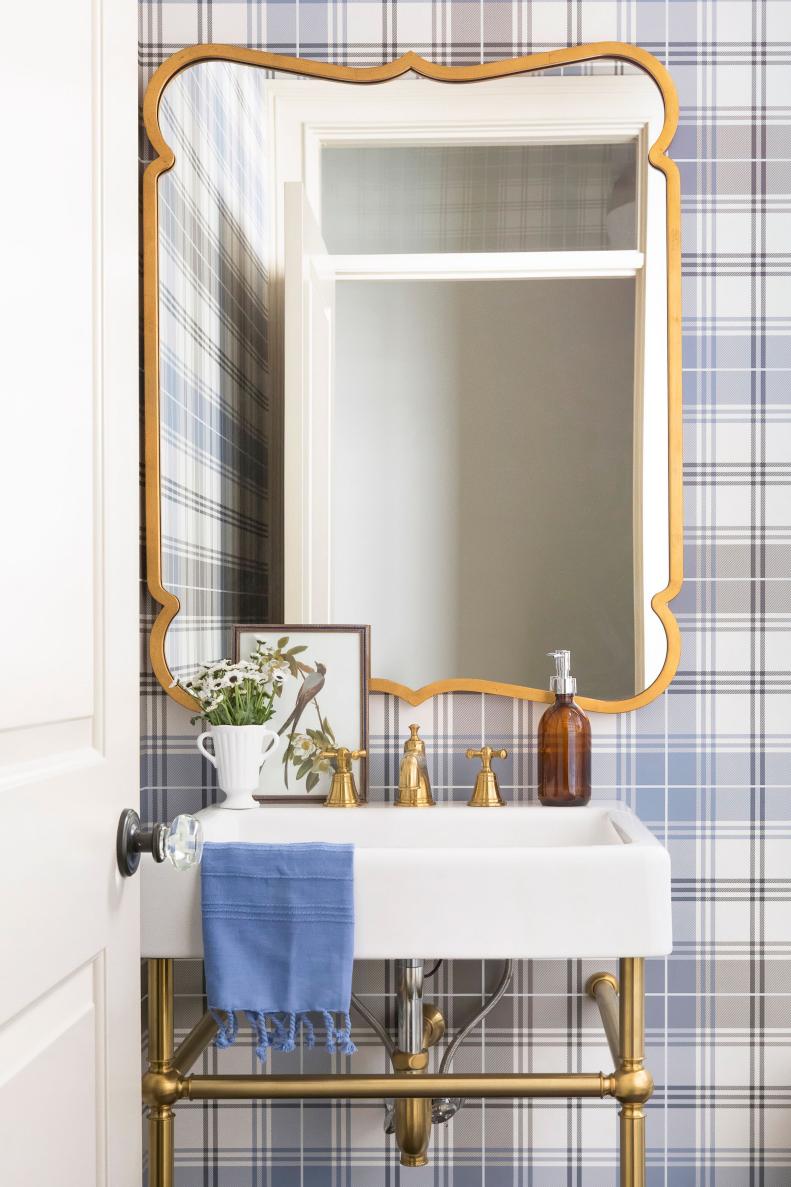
571, 282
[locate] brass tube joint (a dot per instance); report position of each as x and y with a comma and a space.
632, 1085
163, 1088
409, 1061
598, 979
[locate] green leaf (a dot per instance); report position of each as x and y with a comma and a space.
311, 781
296, 650
304, 767
282, 642
328, 729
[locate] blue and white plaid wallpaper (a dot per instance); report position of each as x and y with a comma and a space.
707, 766
215, 379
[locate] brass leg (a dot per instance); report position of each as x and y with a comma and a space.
632, 1122
160, 1059
633, 1083
160, 1146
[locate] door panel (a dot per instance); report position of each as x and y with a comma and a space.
69, 928
47, 314
54, 1041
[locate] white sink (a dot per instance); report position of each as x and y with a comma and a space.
522, 881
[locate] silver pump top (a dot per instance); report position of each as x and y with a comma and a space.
562, 683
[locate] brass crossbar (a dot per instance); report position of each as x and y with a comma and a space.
379, 1087
622, 1012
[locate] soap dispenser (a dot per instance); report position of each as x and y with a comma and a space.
564, 742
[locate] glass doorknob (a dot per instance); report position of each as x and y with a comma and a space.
180, 843
184, 842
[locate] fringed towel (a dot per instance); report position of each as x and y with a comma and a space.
278, 941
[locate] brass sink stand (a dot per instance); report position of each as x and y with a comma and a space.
168, 1081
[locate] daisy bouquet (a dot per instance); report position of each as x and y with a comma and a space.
243, 693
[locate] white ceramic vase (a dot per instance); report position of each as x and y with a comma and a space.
239, 753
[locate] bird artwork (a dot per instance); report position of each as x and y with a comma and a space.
300, 718
311, 687
308, 762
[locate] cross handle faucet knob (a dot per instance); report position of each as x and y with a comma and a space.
486, 754
343, 756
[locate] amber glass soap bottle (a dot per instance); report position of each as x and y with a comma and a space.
564, 743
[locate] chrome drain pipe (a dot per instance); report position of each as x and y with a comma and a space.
410, 1006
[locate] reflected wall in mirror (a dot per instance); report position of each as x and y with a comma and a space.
216, 397
412, 359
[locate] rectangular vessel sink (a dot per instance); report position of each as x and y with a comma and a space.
522, 881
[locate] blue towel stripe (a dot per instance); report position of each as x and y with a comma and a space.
284, 877
278, 914
278, 942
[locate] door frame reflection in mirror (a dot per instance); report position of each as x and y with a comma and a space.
657, 158
306, 119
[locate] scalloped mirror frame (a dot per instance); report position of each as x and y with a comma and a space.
657, 157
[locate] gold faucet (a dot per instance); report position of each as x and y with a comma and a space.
487, 790
414, 787
343, 791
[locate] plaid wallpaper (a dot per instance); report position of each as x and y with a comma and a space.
215, 389
706, 766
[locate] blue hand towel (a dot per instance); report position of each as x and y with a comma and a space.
278, 940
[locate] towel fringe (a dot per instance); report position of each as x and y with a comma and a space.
258, 1021
329, 1031
344, 1037
227, 1027
308, 1032
278, 1031
291, 1029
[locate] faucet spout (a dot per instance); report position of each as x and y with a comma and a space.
414, 786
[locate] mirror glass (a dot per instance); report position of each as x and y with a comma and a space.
412, 369
478, 197
219, 424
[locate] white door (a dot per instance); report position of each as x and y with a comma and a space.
309, 306
69, 932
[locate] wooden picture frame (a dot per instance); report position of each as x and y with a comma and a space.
309, 660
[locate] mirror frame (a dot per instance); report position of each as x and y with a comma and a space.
657, 157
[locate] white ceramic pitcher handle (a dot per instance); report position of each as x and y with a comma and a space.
200, 743
270, 750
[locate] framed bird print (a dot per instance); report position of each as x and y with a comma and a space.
322, 703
